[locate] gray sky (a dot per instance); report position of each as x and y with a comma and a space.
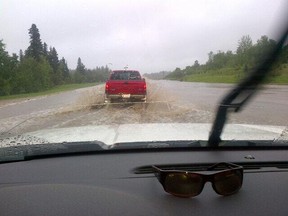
146, 35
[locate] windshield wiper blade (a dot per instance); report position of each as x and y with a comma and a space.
238, 97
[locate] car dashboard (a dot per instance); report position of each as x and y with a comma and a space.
121, 183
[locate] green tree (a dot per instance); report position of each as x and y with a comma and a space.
4, 59
244, 44
53, 58
196, 64
283, 59
7, 68
210, 57
80, 67
244, 49
54, 62
21, 56
80, 74
32, 76
64, 70
220, 60
262, 49
230, 59
35, 49
45, 49
176, 74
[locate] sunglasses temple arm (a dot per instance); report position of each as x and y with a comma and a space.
157, 172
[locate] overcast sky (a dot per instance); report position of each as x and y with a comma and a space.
150, 36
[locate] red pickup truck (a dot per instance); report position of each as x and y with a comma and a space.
125, 85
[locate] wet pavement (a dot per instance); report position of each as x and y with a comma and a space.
168, 101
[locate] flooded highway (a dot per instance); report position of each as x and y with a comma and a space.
168, 101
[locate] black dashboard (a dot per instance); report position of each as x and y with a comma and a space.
113, 184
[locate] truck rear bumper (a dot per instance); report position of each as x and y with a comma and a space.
126, 97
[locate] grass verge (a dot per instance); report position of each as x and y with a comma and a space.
228, 75
54, 90
212, 78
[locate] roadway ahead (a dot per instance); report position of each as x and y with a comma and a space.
268, 106
168, 101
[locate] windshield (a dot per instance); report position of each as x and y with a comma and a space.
122, 74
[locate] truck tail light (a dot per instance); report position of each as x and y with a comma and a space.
144, 87
106, 87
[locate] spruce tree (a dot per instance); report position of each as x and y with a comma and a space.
80, 67
35, 49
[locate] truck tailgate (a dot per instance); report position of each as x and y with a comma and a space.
126, 87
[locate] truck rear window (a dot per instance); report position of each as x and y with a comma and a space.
125, 75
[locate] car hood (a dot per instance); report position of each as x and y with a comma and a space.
111, 134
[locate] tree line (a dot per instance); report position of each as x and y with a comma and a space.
245, 59
39, 68
157, 76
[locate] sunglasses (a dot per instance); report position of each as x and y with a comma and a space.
189, 184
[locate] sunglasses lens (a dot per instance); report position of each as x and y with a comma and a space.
228, 182
183, 185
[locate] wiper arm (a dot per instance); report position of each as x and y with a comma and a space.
238, 97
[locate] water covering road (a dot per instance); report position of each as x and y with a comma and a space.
168, 101
268, 106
